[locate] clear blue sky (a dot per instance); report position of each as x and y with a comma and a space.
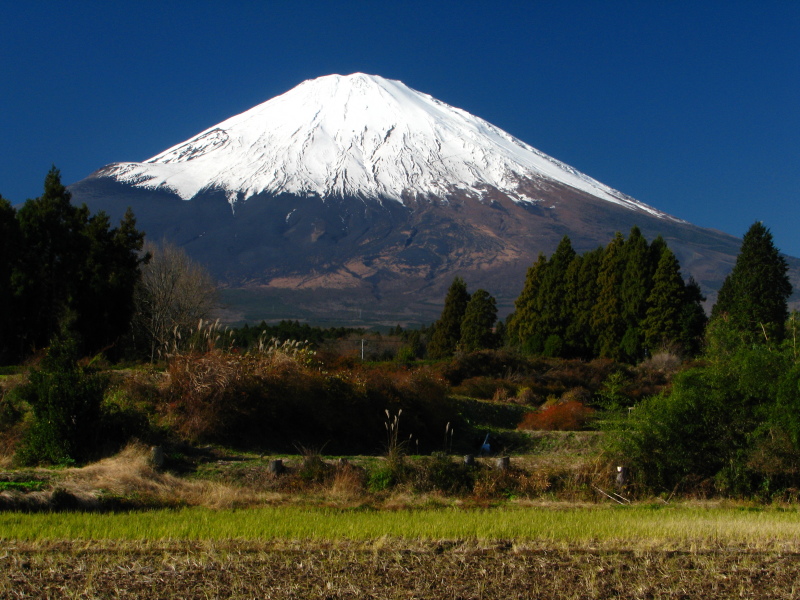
692, 107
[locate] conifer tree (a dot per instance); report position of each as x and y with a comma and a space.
447, 330
51, 251
662, 325
579, 298
9, 252
607, 319
634, 290
554, 315
104, 301
525, 324
479, 319
71, 263
693, 318
753, 297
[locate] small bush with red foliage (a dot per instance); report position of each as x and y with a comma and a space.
566, 416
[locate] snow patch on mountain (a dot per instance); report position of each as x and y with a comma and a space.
356, 135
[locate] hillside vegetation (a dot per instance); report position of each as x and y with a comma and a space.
611, 346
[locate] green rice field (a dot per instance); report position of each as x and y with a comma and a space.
638, 525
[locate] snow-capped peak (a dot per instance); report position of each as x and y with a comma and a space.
356, 135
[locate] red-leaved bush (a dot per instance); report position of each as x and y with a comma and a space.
566, 416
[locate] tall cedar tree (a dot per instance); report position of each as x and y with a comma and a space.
580, 296
479, 319
51, 251
524, 325
104, 304
597, 303
753, 296
554, 315
71, 263
607, 319
636, 284
9, 253
662, 326
693, 318
447, 330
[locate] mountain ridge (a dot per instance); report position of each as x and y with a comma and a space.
326, 216
356, 135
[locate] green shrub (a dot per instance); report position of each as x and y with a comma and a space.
440, 473
58, 418
405, 355
381, 479
612, 394
729, 424
65, 399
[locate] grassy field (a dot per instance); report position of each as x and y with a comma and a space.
679, 527
405, 546
508, 552
235, 531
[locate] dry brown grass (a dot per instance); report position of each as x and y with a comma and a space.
663, 362
6, 462
349, 483
130, 476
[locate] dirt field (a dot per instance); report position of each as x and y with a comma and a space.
387, 569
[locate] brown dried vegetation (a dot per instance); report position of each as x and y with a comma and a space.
388, 568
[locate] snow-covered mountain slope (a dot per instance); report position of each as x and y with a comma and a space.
358, 136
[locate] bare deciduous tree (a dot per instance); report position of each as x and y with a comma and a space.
174, 293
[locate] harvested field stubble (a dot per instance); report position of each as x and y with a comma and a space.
387, 568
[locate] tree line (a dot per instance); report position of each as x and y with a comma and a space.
62, 268
625, 301
59, 263
731, 422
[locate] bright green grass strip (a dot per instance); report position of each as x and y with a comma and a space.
632, 524
22, 486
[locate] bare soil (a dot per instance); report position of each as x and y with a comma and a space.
387, 569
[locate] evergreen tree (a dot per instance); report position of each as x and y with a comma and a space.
693, 318
479, 319
66, 399
634, 290
104, 302
447, 330
9, 252
754, 295
51, 251
607, 319
525, 325
579, 299
501, 339
662, 325
71, 263
553, 312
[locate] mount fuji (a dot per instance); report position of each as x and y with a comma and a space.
358, 198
